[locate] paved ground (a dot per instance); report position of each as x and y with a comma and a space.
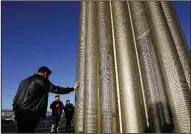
62, 130
43, 127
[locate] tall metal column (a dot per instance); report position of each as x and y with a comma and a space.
81, 64
133, 64
152, 79
175, 81
90, 118
132, 107
178, 38
106, 73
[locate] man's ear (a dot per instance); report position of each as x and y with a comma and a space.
45, 74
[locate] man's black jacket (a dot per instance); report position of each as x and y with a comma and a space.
55, 109
32, 94
69, 111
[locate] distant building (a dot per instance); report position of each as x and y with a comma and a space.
7, 113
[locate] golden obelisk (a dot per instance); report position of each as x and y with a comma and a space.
134, 67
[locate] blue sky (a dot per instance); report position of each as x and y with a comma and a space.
46, 33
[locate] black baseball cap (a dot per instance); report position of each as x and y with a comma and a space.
57, 96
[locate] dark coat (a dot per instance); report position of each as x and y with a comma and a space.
56, 110
69, 111
32, 94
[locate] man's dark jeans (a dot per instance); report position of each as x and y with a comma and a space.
68, 124
26, 121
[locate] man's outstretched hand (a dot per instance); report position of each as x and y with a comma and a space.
76, 85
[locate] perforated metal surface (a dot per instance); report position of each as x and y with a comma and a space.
115, 94
175, 81
90, 118
132, 108
178, 38
106, 70
135, 65
80, 98
152, 79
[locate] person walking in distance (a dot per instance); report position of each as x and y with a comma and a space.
31, 100
69, 112
57, 107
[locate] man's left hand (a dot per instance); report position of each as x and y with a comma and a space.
76, 85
